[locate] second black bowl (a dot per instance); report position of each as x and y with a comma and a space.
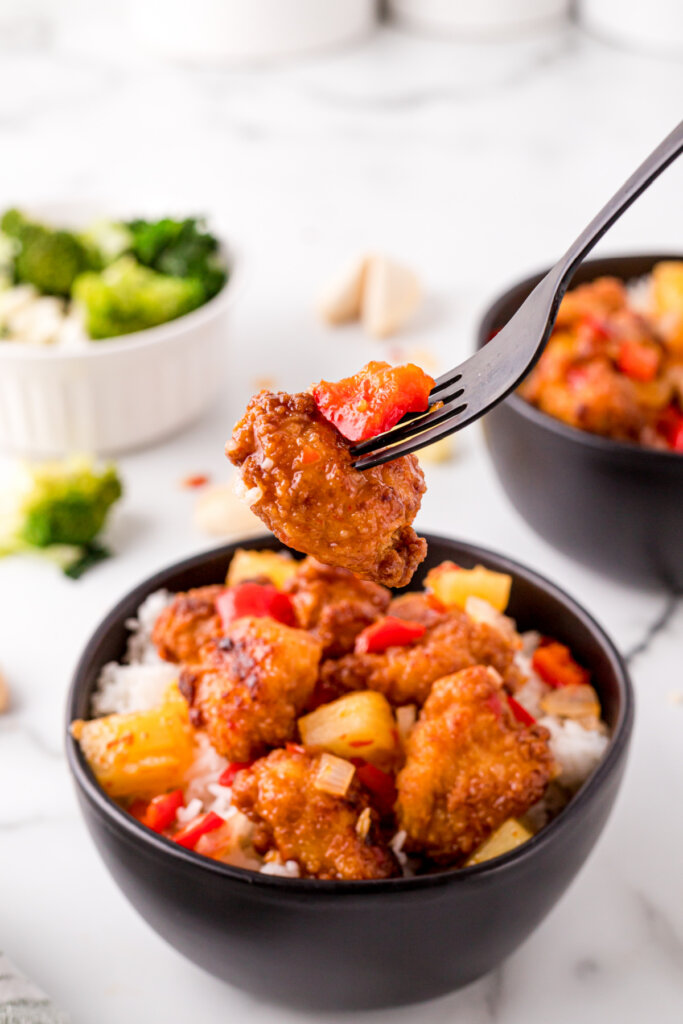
344, 945
614, 506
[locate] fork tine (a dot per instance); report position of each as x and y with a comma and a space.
409, 427
413, 444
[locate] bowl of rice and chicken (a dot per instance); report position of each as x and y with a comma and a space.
298, 774
590, 448
308, 769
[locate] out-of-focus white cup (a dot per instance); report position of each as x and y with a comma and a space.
243, 30
655, 25
477, 17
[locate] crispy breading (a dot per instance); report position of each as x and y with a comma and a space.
187, 624
328, 836
405, 675
469, 766
251, 686
334, 604
299, 469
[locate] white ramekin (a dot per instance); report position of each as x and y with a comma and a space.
246, 30
655, 26
116, 394
477, 16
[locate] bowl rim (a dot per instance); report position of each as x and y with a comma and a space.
115, 818
623, 450
149, 336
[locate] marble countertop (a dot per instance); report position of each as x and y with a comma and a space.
476, 164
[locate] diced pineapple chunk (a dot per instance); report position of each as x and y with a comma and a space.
277, 566
667, 286
358, 724
142, 753
509, 836
453, 585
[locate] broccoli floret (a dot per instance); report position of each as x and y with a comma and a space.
67, 503
58, 511
180, 248
46, 258
127, 297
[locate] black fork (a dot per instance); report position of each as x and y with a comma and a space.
487, 377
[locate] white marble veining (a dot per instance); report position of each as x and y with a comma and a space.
476, 164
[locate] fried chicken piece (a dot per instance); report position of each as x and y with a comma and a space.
299, 470
599, 298
419, 606
328, 836
187, 624
251, 686
452, 641
334, 604
469, 766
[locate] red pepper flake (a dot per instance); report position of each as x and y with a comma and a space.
388, 632
309, 455
198, 827
520, 713
197, 480
227, 777
360, 743
295, 748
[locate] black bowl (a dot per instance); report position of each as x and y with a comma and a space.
612, 505
341, 945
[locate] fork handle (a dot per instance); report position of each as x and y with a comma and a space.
660, 158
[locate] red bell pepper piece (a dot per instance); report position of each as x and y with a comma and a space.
158, 813
227, 777
381, 784
374, 399
554, 664
256, 600
195, 829
520, 713
597, 327
388, 632
676, 436
638, 361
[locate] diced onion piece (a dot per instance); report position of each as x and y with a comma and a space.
335, 775
578, 701
483, 611
359, 724
363, 824
406, 716
277, 566
509, 836
453, 585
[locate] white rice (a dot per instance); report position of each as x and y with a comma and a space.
286, 869
125, 688
140, 649
578, 751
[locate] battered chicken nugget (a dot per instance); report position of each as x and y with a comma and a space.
251, 686
187, 624
328, 836
469, 766
334, 604
452, 641
299, 477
